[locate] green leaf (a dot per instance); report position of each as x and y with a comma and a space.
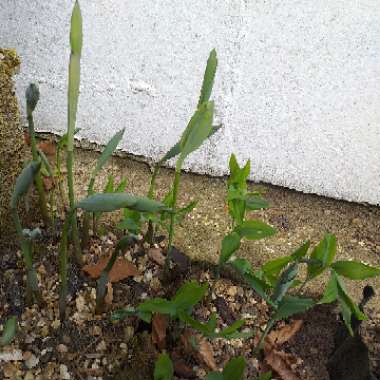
355, 270
301, 252
9, 331
24, 181
197, 131
208, 79
292, 305
347, 306
157, 305
74, 72
254, 230
62, 142
114, 201
284, 282
331, 292
230, 244
163, 369
265, 376
325, 252
188, 295
108, 151
273, 268
234, 369
256, 203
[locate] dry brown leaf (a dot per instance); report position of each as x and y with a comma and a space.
121, 269
282, 335
282, 363
109, 296
156, 255
159, 326
47, 147
206, 353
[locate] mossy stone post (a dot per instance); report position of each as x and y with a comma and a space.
11, 143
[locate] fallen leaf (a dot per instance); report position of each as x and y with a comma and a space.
159, 326
282, 335
47, 147
109, 296
156, 255
282, 363
198, 347
182, 370
121, 269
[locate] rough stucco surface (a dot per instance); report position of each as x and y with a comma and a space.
297, 88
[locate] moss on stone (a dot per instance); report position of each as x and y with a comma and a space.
11, 141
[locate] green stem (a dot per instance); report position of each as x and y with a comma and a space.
26, 251
59, 176
38, 178
74, 225
149, 236
63, 264
87, 217
263, 335
172, 215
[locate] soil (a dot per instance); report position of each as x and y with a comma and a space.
90, 346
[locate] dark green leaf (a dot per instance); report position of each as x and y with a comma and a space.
163, 369
230, 244
208, 79
265, 376
301, 252
114, 201
254, 230
234, 369
9, 331
325, 252
355, 270
284, 282
157, 305
24, 181
292, 305
197, 131
256, 203
273, 268
108, 151
331, 291
32, 95
188, 295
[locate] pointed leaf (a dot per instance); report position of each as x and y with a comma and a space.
254, 230
355, 270
285, 282
292, 305
301, 252
331, 291
188, 295
163, 369
325, 252
234, 369
208, 79
230, 244
255, 202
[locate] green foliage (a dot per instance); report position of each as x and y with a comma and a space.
9, 331
163, 369
355, 270
234, 370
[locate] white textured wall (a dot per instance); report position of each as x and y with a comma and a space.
297, 88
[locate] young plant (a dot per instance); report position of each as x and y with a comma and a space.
73, 95
32, 95
23, 183
102, 160
240, 201
197, 131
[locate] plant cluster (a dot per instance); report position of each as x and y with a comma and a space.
279, 282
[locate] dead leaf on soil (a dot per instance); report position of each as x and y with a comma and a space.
282, 363
47, 147
199, 347
120, 270
156, 255
159, 326
284, 334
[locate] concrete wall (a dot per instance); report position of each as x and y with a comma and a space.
297, 88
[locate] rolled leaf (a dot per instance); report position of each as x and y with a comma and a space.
24, 181
108, 202
208, 79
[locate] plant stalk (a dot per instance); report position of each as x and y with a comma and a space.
172, 215
87, 217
